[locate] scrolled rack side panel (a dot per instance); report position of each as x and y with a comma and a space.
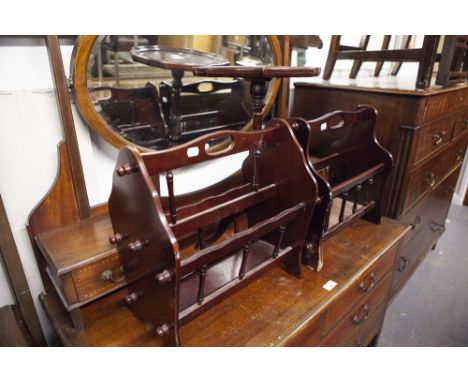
147, 249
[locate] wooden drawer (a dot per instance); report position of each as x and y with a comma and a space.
363, 286
455, 100
428, 219
435, 106
369, 330
360, 316
95, 279
428, 176
422, 211
461, 123
431, 137
440, 104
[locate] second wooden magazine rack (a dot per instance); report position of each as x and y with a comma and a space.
350, 167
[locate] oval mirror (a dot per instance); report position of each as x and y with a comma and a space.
128, 100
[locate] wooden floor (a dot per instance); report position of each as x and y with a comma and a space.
432, 308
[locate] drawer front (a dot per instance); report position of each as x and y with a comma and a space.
364, 286
422, 211
360, 316
435, 106
367, 332
428, 222
445, 103
426, 178
361, 288
461, 123
98, 278
432, 137
456, 100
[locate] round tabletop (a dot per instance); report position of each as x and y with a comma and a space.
175, 58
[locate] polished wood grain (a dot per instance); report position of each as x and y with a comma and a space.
271, 311
366, 310
428, 176
77, 244
66, 119
461, 123
430, 138
357, 166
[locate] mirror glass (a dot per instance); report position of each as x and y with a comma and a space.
156, 107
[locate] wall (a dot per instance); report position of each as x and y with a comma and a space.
29, 133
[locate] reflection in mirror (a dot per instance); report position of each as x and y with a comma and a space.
137, 100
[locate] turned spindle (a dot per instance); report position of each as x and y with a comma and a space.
245, 255
201, 285
357, 192
126, 169
282, 231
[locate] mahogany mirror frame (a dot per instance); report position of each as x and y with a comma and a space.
79, 75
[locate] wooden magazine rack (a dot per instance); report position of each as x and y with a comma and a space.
350, 167
181, 259
169, 282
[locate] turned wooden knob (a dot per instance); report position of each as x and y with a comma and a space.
164, 277
163, 330
131, 298
126, 169
137, 245
117, 238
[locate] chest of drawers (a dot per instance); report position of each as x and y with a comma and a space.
427, 134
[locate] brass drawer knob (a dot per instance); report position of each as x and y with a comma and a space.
429, 178
358, 320
416, 223
403, 264
438, 137
108, 275
436, 227
459, 155
362, 286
